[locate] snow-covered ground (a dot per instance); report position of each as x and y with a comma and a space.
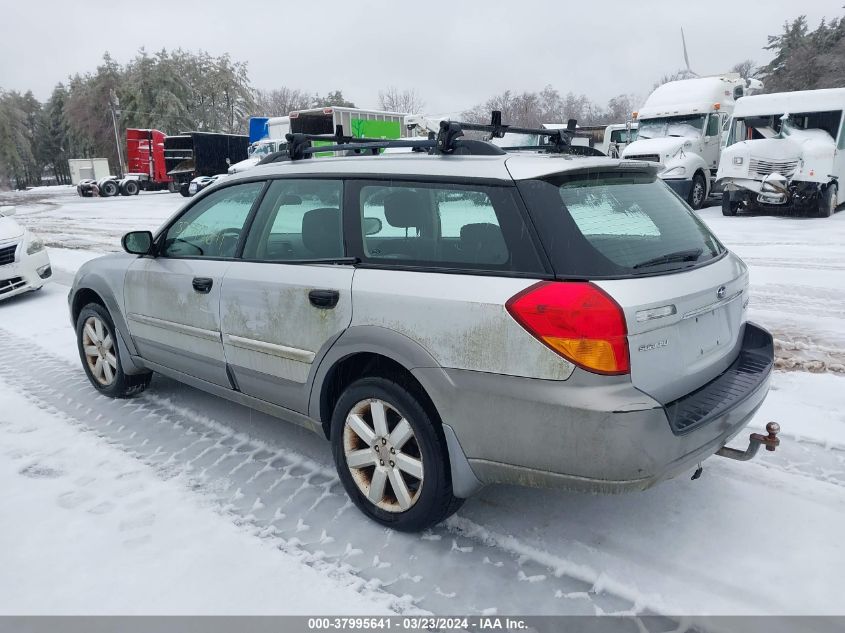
178, 502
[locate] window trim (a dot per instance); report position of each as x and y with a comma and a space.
354, 236
158, 238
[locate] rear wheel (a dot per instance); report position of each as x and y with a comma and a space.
391, 456
698, 191
130, 188
829, 200
98, 349
109, 189
183, 189
729, 207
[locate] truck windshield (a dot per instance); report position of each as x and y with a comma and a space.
616, 224
260, 150
689, 126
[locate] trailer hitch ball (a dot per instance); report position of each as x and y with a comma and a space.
771, 441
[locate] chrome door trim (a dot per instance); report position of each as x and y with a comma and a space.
282, 351
189, 330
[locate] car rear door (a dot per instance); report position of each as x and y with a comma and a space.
290, 295
173, 299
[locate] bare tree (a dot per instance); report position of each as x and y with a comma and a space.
406, 101
745, 69
281, 101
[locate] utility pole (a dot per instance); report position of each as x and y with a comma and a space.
114, 104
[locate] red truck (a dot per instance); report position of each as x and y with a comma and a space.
145, 160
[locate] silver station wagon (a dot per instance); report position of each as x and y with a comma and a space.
447, 318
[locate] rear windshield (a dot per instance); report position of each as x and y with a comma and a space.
616, 224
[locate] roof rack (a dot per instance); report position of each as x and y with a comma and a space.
447, 140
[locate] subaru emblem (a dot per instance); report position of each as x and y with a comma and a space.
721, 292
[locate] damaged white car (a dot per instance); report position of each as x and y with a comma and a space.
785, 150
24, 264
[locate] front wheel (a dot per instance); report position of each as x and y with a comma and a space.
98, 349
698, 192
829, 200
391, 456
729, 207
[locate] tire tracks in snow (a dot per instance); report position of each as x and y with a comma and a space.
278, 494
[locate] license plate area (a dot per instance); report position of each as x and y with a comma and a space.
705, 333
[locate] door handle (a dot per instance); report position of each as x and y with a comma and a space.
324, 299
202, 284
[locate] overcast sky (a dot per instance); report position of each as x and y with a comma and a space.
455, 53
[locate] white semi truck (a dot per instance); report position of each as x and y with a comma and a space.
785, 150
680, 128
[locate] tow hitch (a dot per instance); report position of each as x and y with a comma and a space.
771, 441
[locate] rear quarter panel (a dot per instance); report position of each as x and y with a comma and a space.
460, 320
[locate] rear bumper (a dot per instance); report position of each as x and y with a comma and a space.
594, 433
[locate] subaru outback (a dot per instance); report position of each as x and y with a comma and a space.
445, 321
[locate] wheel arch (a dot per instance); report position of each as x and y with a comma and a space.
362, 351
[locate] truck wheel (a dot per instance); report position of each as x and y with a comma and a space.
828, 200
98, 349
173, 186
130, 188
109, 189
729, 207
183, 189
698, 191
391, 456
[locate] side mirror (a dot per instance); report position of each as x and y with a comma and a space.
138, 243
371, 226
7, 211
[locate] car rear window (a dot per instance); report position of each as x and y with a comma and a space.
616, 223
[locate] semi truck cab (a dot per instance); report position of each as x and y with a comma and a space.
680, 128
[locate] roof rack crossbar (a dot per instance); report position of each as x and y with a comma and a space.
445, 141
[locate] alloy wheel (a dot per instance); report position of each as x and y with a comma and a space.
383, 455
98, 345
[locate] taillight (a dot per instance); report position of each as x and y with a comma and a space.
577, 320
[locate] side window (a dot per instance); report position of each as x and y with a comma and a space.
298, 220
713, 125
212, 227
452, 226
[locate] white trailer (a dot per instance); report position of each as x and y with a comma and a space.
785, 149
87, 169
680, 128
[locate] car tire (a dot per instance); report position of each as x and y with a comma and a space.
130, 188
828, 201
100, 355
698, 191
729, 207
109, 189
400, 479
183, 189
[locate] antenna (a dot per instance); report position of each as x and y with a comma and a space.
686, 56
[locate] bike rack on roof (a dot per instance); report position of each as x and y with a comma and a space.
446, 141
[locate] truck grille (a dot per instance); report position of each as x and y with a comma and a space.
7, 254
761, 168
745, 375
7, 285
653, 158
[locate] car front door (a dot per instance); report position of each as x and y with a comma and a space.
711, 143
290, 296
173, 299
